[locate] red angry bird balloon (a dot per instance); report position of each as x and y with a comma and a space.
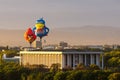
29, 35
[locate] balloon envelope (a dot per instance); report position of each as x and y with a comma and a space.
40, 21
29, 35
39, 26
41, 32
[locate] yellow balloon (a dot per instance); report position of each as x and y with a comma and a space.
39, 26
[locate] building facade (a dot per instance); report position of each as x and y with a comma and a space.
67, 58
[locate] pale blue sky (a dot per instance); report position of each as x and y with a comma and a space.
21, 14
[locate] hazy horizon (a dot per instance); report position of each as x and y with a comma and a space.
87, 35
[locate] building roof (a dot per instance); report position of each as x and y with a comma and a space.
61, 52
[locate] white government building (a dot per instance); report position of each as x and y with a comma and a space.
64, 58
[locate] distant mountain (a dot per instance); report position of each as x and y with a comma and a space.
73, 35
90, 35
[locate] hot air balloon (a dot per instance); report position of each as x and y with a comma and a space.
29, 36
40, 29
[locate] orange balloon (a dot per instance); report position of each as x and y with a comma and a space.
29, 35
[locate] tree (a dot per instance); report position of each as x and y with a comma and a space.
1, 54
101, 75
24, 76
10, 53
74, 75
114, 76
67, 68
1, 74
60, 75
94, 67
112, 59
40, 76
32, 76
48, 76
80, 67
55, 67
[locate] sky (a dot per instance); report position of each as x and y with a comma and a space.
61, 14
21, 14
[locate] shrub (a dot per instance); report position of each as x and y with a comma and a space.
114, 76
61, 75
94, 67
48, 76
75, 75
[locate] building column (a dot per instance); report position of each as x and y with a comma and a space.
80, 58
94, 57
49, 60
46, 59
91, 59
32, 61
67, 59
70, 60
63, 60
102, 61
57, 58
38, 59
73, 61
60, 59
98, 60
85, 60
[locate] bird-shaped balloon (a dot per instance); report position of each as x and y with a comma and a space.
29, 35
